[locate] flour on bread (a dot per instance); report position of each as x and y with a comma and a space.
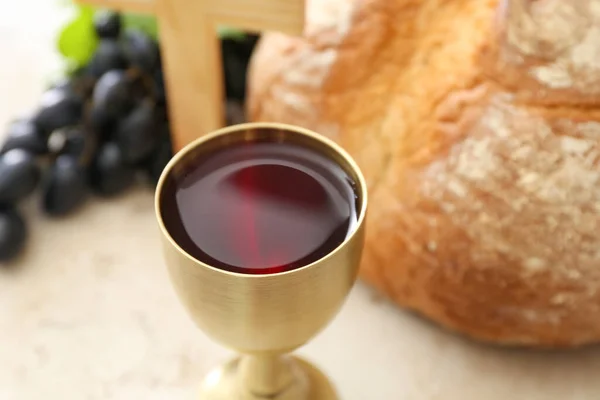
558, 40
535, 182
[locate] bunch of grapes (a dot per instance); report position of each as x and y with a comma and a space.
97, 131
91, 132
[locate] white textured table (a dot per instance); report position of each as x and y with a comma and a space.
89, 313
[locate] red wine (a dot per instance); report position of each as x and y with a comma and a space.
259, 207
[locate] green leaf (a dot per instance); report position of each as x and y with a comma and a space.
77, 41
230, 33
145, 23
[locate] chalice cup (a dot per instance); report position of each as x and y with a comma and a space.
264, 317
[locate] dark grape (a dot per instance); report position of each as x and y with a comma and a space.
19, 176
65, 84
137, 133
248, 44
113, 95
59, 108
108, 56
76, 142
160, 158
234, 69
107, 24
65, 187
80, 83
82, 72
101, 123
160, 94
109, 174
161, 115
25, 134
13, 233
141, 50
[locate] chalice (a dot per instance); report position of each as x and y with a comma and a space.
262, 230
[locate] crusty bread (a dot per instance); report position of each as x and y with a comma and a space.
476, 123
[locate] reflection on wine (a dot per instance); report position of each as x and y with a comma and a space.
259, 207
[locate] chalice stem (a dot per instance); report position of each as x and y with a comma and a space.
268, 375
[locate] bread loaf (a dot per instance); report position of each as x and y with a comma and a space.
476, 123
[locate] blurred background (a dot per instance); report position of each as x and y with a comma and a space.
27, 35
86, 309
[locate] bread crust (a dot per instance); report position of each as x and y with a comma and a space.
483, 167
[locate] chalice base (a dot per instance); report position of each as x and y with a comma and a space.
223, 383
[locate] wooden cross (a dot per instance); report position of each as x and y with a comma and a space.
191, 51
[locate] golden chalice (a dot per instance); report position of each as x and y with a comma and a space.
264, 316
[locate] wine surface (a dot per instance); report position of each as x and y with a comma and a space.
259, 207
